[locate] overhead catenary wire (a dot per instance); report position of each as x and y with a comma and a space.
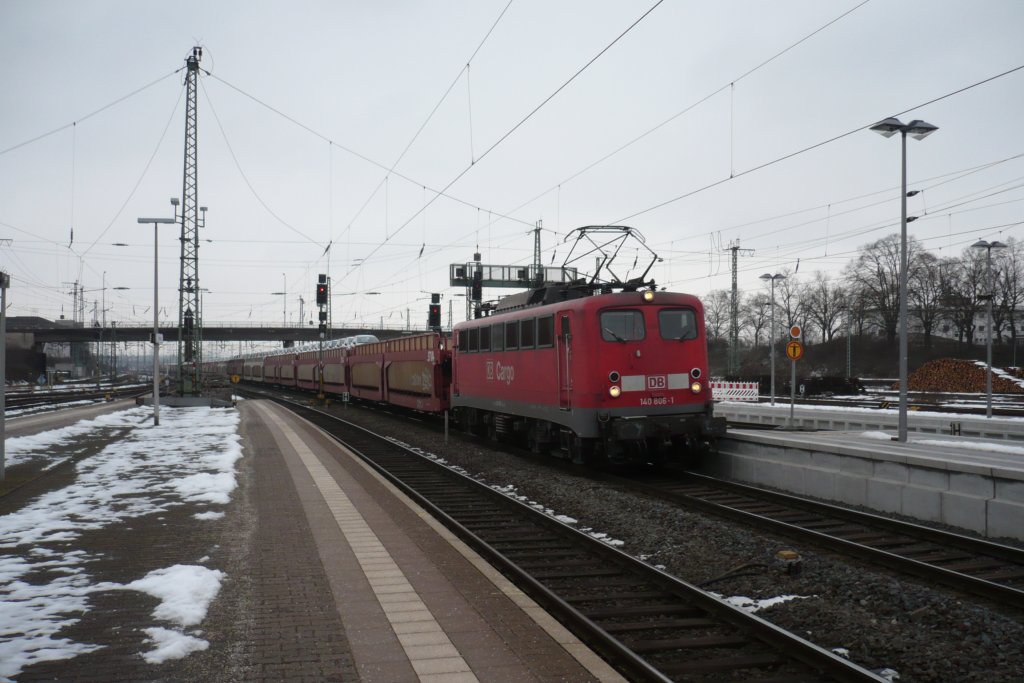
690, 107
519, 124
814, 146
89, 115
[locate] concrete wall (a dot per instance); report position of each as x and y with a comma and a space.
984, 494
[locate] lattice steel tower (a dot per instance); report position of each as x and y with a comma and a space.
190, 320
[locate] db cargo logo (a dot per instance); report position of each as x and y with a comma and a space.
657, 382
502, 373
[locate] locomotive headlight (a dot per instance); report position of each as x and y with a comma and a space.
695, 387
614, 391
648, 296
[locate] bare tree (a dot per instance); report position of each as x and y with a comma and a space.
876, 272
717, 310
1010, 286
825, 303
789, 299
925, 293
964, 286
755, 314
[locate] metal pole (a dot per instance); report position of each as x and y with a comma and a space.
792, 392
156, 330
771, 347
4, 282
988, 327
901, 434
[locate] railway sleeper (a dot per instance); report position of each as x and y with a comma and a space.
626, 627
704, 642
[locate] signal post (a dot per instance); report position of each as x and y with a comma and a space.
795, 351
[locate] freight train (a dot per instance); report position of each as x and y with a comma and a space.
619, 377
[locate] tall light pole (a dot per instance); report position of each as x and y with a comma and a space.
918, 130
156, 309
5, 282
771, 346
988, 247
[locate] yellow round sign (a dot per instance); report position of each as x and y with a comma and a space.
795, 350
235, 379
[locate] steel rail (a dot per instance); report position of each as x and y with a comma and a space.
789, 646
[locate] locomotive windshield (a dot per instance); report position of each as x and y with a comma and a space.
622, 325
677, 323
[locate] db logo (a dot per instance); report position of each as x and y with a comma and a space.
657, 382
490, 370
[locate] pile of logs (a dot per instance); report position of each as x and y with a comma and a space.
958, 376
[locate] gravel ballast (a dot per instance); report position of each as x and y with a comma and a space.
885, 622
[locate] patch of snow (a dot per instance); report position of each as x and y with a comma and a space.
750, 605
171, 645
190, 456
186, 592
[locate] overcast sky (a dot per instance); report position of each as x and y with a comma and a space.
308, 104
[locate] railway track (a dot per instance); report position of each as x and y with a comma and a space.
51, 398
648, 624
966, 564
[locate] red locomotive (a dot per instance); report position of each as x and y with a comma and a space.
576, 369
621, 377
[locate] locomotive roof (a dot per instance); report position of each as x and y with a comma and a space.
543, 307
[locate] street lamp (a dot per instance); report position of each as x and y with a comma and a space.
771, 346
156, 310
988, 247
918, 130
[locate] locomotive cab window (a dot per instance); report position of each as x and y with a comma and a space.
463, 344
677, 323
512, 336
622, 325
545, 332
526, 335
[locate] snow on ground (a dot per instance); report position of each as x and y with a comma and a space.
960, 444
22, 449
190, 457
751, 605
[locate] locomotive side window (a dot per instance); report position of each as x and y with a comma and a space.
526, 334
485, 338
545, 331
512, 336
463, 344
498, 337
474, 339
677, 323
622, 325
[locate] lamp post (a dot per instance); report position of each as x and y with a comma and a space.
771, 346
5, 282
988, 247
918, 130
156, 310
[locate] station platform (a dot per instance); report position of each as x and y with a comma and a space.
326, 573
973, 483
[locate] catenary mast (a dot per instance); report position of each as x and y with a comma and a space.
190, 325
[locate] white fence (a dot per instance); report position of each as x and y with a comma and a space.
734, 391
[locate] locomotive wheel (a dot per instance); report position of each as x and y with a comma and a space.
580, 451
